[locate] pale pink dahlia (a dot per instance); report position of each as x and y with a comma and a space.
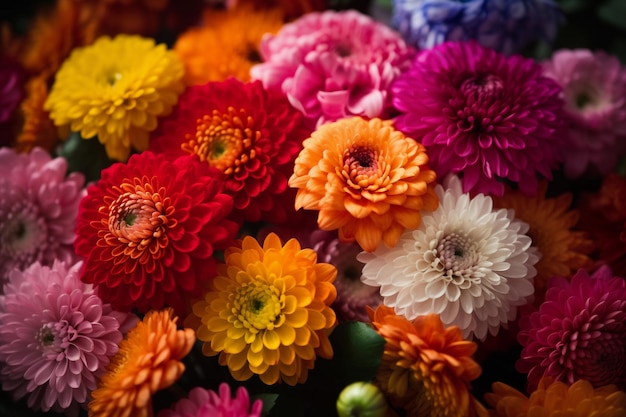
56, 336
482, 115
579, 331
594, 90
334, 64
208, 403
38, 209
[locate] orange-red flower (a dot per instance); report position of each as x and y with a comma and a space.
366, 179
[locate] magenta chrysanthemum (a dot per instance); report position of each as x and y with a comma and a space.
334, 64
56, 336
482, 115
208, 403
594, 90
38, 208
579, 331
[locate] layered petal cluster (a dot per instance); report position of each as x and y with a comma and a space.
426, 367
267, 312
468, 262
594, 91
148, 230
482, 115
252, 135
365, 179
334, 64
208, 403
115, 89
56, 337
38, 209
555, 398
578, 332
148, 360
504, 26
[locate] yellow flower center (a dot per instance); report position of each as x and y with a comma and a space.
258, 306
225, 141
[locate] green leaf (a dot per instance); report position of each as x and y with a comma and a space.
287, 405
85, 155
614, 13
268, 399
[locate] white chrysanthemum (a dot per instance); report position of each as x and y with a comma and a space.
467, 262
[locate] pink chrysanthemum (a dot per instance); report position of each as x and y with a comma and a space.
579, 332
482, 115
334, 64
38, 208
56, 336
594, 90
208, 403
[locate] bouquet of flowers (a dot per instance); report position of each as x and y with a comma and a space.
306, 208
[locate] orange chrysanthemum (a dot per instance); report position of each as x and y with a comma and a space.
366, 179
149, 360
556, 399
426, 368
563, 250
268, 311
226, 44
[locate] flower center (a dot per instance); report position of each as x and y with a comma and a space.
361, 169
54, 337
258, 306
113, 78
226, 141
482, 87
457, 255
22, 233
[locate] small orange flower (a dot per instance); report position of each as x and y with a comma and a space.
426, 368
366, 179
556, 399
149, 360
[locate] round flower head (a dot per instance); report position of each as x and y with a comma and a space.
208, 403
149, 360
253, 136
594, 91
148, 228
116, 89
426, 368
469, 263
579, 331
334, 64
555, 398
268, 311
56, 337
504, 26
483, 115
38, 209
366, 179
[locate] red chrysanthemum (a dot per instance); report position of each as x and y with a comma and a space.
483, 115
148, 230
252, 135
579, 331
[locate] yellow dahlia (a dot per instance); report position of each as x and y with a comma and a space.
226, 44
563, 250
115, 89
556, 399
268, 311
366, 179
148, 360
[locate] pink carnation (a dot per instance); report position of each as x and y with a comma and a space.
594, 90
482, 115
38, 209
579, 331
207, 403
334, 64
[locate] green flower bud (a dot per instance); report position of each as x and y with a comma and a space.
361, 399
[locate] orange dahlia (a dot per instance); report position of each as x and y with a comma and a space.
149, 360
556, 399
551, 220
426, 368
268, 311
226, 44
366, 179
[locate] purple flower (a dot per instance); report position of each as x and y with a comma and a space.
56, 336
207, 403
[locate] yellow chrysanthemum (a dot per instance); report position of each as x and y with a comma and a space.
116, 89
149, 360
268, 311
227, 43
556, 399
